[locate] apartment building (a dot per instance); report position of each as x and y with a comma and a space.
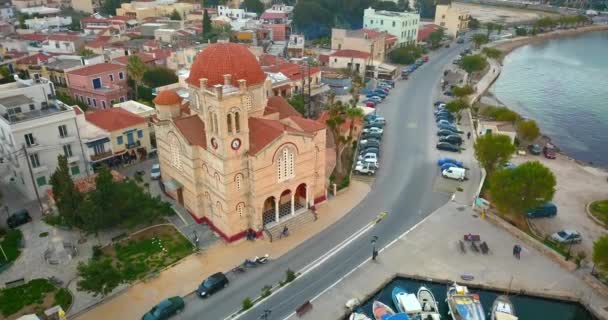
453, 20
403, 25
99, 85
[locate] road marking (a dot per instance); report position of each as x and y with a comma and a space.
180, 216
411, 125
365, 261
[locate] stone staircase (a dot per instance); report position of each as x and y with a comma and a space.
292, 224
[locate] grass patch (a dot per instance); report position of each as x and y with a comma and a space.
557, 247
35, 294
599, 209
11, 243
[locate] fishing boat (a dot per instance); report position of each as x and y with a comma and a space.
464, 305
358, 316
430, 308
381, 311
503, 309
406, 303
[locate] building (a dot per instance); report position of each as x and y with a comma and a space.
141, 10
243, 161
129, 133
35, 129
63, 43
46, 23
88, 6
277, 14
7, 11
362, 63
295, 46
55, 68
146, 58
96, 142
290, 78
403, 25
377, 44
109, 26
99, 86
498, 127
453, 20
425, 31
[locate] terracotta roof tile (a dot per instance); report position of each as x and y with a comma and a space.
307, 125
193, 129
264, 131
94, 69
167, 97
293, 71
350, 54
114, 119
268, 60
280, 105
273, 15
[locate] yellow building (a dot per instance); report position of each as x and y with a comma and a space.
237, 159
88, 6
453, 20
129, 132
143, 10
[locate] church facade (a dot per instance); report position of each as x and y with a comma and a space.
234, 157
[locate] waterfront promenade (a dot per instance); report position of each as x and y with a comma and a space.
431, 250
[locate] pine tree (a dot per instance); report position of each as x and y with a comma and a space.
67, 197
207, 28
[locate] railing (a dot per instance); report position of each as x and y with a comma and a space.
133, 145
100, 156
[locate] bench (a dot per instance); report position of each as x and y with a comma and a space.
472, 237
304, 308
14, 283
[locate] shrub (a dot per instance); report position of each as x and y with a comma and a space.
63, 298
290, 276
97, 253
266, 291
247, 304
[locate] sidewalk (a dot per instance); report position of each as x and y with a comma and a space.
183, 278
421, 253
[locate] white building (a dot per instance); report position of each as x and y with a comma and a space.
7, 12
35, 129
96, 142
403, 25
65, 44
48, 23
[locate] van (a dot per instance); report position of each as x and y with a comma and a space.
454, 173
546, 210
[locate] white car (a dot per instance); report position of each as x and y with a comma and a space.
369, 157
454, 173
368, 168
567, 236
155, 172
373, 130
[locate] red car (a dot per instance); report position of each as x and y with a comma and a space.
549, 151
425, 58
370, 104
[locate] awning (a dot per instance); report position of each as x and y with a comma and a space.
172, 185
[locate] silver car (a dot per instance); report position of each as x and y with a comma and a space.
567, 237
155, 172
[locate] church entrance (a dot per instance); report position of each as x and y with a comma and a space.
285, 208
301, 198
269, 211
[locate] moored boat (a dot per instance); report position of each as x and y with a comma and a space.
503, 309
358, 316
406, 303
398, 294
430, 308
464, 305
381, 311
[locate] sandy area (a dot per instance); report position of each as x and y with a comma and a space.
502, 15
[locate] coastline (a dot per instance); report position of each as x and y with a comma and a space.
507, 46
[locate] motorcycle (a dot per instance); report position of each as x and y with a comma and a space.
250, 263
261, 260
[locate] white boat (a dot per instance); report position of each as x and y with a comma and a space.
464, 305
358, 316
406, 303
430, 308
503, 309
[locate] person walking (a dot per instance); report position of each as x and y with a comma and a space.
469, 135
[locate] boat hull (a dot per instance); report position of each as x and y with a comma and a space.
382, 311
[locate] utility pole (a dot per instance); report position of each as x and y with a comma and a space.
309, 92
29, 166
374, 251
84, 160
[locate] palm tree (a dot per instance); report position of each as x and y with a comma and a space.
136, 69
479, 39
499, 28
353, 114
337, 117
489, 27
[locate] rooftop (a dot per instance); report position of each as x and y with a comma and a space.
62, 64
15, 100
52, 108
394, 13
350, 54
114, 119
97, 69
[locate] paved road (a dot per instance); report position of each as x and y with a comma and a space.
403, 188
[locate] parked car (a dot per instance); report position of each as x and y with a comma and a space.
373, 130
372, 135
370, 117
509, 165
391, 83
567, 236
155, 172
549, 151
437, 103
446, 146
444, 122
369, 157
456, 61
454, 173
165, 309
460, 40
448, 165
447, 126
448, 93
214, 283
453, 139
445, 132
446, 117
375, 99
380, 94
534, 149
377, 121
367, 168
425, 58
369, 143
19, 217
546, 210
445, 160
370, 161
367, 150
374, 123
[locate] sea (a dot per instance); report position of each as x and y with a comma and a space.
563, 85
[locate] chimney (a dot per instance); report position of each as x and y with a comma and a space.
242, 85
218, 91
227, 79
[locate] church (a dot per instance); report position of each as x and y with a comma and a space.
234, 157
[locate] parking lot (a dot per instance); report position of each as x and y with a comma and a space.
577, 185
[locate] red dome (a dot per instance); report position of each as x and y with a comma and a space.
226, 58
167, 98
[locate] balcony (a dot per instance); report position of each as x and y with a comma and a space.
101, 156
135, 144
39, 169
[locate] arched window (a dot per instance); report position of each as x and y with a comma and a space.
238, 180
229, 122
175, 150
240, 209
285, 165
211, 122
237, 122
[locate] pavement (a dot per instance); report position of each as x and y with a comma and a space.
421, 253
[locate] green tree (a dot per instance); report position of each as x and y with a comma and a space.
298, 103
107, 199
207, 28
474, 24
493, 151
136, 69
175, 15
337, 117
109, 6
71, 101
436, 36
386, 5
403, 5
67, 197
528, 130
22, 18
463, 91
98, 277
159, 76
90, 214
84, 52
253, 6
353, 114
5, 75
457, 105
215, 3
521, 32
473, 63
490, 26
600, 253
491, 53
426, 8
529, 185
405, 55
479, 39
499, 28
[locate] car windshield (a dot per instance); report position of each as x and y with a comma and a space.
563, 234
209, 283
155, 169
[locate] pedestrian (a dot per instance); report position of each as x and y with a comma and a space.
515, 250
469, 135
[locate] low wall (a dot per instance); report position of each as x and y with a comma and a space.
592, 217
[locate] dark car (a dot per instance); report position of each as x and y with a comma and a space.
369, 142
165, 309
448, 93
549, 151
437, 103
546, 210
534, 149
374, 124
460, 40
372, 135
444, 121
214, 283
446, 146
453, 139
18, 218
445, 132
446, 117
369, 150
447, 126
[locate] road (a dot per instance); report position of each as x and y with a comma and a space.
403, 187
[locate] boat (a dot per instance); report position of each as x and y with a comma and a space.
503, 309
430, 308
358, 316
464, 305
406, 303
381, 311
399, 316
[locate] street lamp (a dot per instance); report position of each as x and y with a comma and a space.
374, 251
